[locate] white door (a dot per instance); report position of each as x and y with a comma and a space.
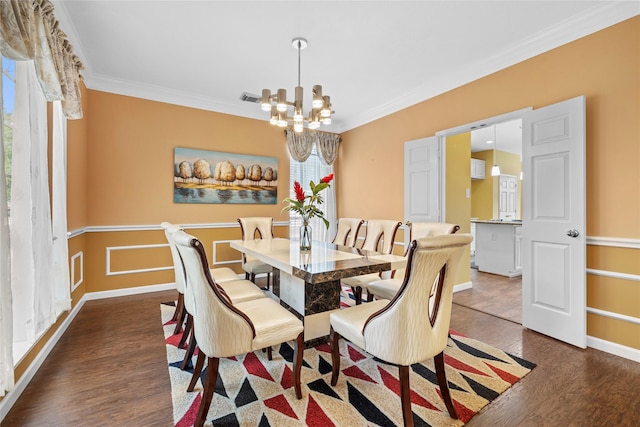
508, 190
422, 180
554, 275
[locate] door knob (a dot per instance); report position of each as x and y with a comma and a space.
573, 233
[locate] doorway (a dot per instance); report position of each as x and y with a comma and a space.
493, 142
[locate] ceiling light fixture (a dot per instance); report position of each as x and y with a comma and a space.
278, 105
495, 170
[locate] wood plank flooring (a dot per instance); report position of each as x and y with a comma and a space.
492, 294
109, 369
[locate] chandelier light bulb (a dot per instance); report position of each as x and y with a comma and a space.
266, 100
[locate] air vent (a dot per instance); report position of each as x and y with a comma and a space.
250, 97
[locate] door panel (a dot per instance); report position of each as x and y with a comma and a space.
554, 266
422, 180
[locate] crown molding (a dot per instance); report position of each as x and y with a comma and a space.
597, 18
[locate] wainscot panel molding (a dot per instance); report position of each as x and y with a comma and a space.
618, 242
79, 257
113, 228
612, 315
615, 274
111, 249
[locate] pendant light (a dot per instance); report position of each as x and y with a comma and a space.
495, 170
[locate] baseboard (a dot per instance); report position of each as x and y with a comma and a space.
10, 398
613, 348
130, 291
462, 287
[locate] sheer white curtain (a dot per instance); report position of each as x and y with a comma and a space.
61, 277
6, 314
30, 223
303, 172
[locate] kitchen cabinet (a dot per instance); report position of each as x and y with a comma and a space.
498, 248
477, 169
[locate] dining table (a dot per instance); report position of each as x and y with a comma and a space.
307, 282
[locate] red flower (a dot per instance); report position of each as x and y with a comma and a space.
327, 179
299, 191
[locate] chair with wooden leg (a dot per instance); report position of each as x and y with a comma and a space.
222, 274
414, 325
380, 236
347, 231
225, 329
256, 228
237, 289
387, 287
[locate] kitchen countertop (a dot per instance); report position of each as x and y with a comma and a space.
493, 221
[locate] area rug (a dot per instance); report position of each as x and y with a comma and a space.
253, 391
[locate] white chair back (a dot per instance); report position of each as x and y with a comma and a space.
178, 270
413, 326
347, 233
380, 230
221, 330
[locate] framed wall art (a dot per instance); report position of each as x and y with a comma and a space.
202, 176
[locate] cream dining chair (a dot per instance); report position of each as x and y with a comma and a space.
414, 325
252, 228
380, 236
222, 274
387, 287
347, 232
237, 289
224, 328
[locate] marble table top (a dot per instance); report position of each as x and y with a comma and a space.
324, 262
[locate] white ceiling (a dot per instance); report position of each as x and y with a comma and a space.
371, 57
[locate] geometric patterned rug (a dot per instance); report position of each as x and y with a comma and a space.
253, 391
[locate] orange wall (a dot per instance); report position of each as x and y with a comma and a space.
603, 66
130, 152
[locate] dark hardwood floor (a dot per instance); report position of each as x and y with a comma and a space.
109, 369
492, 294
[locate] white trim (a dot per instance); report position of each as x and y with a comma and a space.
592, 20
11, 397
612, 315
215, 243
489, 121
110, 249
618, 242
614, 274
130, 291
462, 287
613, 348
151, 227
75, 284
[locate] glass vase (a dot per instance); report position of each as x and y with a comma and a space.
305, 237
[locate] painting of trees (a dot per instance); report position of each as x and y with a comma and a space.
202, 176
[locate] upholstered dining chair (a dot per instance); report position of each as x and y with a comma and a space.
252, 228
222, 274
347, 233
237, 289
224, 328
414, 325
380, 236
387, 287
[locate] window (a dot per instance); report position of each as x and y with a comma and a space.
8, 97
312, 169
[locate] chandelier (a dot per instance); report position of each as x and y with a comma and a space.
278, 105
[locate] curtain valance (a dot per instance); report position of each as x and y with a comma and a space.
300, 145
30, 31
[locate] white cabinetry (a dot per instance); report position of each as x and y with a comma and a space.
477, 169
498, 248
